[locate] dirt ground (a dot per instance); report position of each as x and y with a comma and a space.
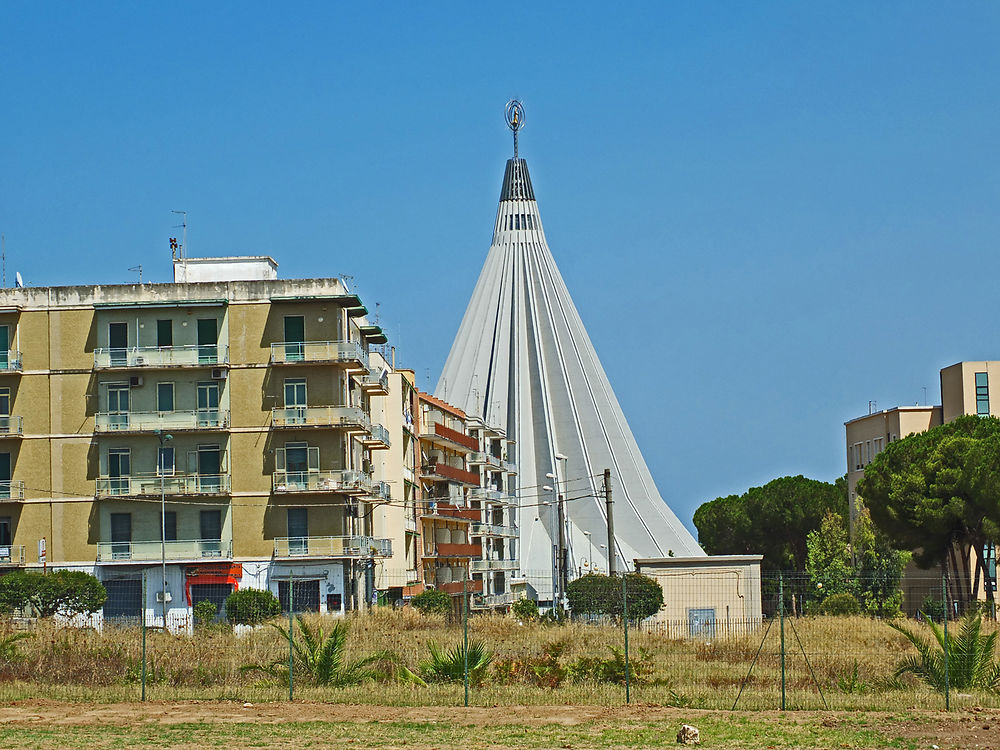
976, 728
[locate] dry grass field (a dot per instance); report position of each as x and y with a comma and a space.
853, 660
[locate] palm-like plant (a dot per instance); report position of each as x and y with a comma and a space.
449, 666
323, 657
970, 657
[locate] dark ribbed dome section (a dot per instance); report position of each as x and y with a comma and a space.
516, 182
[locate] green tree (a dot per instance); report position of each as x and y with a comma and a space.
828, 559
773, 520
938, 493
65, 592
432, 602
596, 594
251, 606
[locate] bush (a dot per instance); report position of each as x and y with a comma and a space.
525, 609
596, 594
65, 592
432, 602
251, 606
840, 604
205, 613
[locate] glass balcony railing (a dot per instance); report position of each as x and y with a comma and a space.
376, 381
187, 549
346, 482
294, 352
320, 416
12, 489
194, 355
12, 554
378, 437
489, 565
11, 425
175, 485
332, 546
490, 495
10, 360
381, 491
148, 421
489, 529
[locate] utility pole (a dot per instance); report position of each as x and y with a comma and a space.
563, 555
609, 503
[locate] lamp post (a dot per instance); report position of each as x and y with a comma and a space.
590, 543
163, 438
552, 546
563, 530
604, 547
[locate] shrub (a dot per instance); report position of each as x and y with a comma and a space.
66, 592
525, 609
205, 613
596, 594
840, 604
970, 662
432, 602
449, 666
251, 606
596, 669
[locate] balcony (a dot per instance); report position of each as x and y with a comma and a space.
351, 354
11, 426
437, 432
455, 511
345, 417
489, 529
444, 471
151, 421
460, 587
343, 482
177, 485
377, 438
455, 550
489, 601
10, 360
487, 459
187, 549
483, 566
157, 357
375, 382
12, 489
381, 491
12, 554
332, 546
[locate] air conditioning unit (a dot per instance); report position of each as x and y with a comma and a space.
134, 381
140, 361
160, 597
219, 373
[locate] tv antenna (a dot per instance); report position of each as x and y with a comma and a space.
377, 305
177, 250
138, 268
344, 277
3, 257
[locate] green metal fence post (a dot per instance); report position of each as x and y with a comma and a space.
628, 681
781, 616
291, 637
142, 624
944, 603
465, 637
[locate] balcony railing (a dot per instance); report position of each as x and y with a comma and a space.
457, 511
381, 491
450, 472
148, 421
479, 457
193, 355
12, 554
345, 482
11, 425
454, 550
489, 529
493, 600
295, 352
12, 489
488, 565
186, 549
348, 417
332, 546
375, 381
378, 437
176, 485
490, 495
458, 587
434, 430
10, 360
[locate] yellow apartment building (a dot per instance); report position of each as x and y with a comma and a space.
222, 423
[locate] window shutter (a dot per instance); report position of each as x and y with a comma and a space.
279, 459
313, 458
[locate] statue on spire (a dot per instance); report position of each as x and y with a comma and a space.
514, 113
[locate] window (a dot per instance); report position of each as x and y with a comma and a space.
121, 536
169, 522
305, 596
164, 333
295, 336
295, 392
166, 465
982, 394
208, 340
119, 469
4, 402
990, 556
210, 526
164, 396
118, 398
5, 535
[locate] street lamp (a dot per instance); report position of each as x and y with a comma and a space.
590, 542
164, 439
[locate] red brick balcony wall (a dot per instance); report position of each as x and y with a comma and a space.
450, 472
456, 437
459, 550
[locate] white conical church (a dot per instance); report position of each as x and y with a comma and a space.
522, 359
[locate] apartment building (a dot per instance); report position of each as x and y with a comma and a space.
965, 389
222, 422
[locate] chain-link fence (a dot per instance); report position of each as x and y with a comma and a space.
711, 639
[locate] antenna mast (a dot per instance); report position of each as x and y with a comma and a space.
514, 114
3, 257
183, 226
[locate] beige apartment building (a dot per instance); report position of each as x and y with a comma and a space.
965, 389
243, 401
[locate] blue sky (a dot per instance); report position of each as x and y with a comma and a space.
767, 213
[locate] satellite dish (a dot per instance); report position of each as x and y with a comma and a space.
18, 280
